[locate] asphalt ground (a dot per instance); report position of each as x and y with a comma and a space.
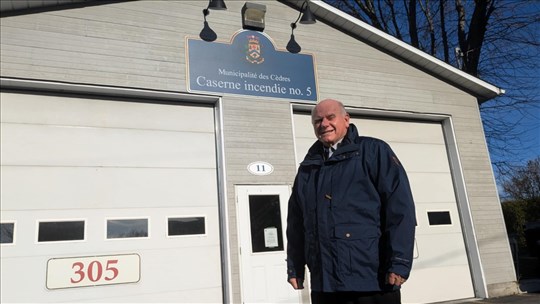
530, 294
523, 298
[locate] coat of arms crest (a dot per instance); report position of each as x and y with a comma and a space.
253, 54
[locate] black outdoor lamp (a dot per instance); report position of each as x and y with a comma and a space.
305, 16
217, 5
207, 34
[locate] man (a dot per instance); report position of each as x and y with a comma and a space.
351, 215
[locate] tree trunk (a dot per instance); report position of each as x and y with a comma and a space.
471, 45
413, 29
444, 35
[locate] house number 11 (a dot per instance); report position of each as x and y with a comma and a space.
260, 168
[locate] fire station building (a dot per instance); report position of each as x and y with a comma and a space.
148, 149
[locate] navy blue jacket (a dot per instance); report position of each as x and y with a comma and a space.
351, 218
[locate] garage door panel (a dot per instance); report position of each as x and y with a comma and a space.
417, 152
303, 127
72, 187
95, 232
447, 253
437, 285
170, 272
44, 145
69, 111
206, 295
423, 185
189, 272
391, 131
421, 157
302, 146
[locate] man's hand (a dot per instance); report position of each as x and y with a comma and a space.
296, 283
395, 279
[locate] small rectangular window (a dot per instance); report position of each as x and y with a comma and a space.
127, 228
61, 231
7, 233
186, 226
439, 218
266, 227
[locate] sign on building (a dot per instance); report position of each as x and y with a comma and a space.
250, 65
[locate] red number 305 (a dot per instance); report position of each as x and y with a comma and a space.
94, 271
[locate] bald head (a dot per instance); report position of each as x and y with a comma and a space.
328, 101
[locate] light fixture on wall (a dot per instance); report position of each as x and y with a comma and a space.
253, 16
305, 16
217, 5
207, 34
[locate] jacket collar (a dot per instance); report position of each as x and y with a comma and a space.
315, 153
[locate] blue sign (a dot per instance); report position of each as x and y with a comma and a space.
250, 65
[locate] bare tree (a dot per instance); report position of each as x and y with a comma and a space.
524, 183
522, 202
496, 40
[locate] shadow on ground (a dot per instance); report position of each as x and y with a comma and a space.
530, 285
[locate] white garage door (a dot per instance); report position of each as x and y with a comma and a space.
440, 249
121, 196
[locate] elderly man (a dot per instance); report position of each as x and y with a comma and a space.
351, 215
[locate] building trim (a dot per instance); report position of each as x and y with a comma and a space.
223, 209
135, 94
464, 209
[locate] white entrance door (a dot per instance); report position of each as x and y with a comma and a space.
262, 212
